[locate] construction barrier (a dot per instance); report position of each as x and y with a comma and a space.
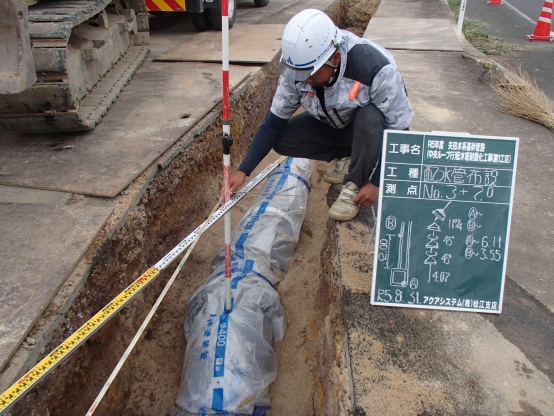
544, 25
165, 5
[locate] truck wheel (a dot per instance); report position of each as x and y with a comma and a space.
261, 3
215, 14
202, 21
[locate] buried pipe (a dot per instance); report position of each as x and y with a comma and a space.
145, 323
30, 380
229, 360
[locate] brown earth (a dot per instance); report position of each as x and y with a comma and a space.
312, 378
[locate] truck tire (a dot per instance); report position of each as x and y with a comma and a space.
261, 3
215, 14
202, 21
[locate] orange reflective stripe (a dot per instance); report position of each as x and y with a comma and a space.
162, 5
176, 5
165, 5
354, 91
151, 6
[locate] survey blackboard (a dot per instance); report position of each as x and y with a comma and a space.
443, 223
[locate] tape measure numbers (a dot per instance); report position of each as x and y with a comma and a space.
183, 245
84, 332
46, 365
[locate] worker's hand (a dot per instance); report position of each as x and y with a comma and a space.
367, 196
236, 181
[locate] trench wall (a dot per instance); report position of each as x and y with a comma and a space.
333, 392
175, 199
178, 198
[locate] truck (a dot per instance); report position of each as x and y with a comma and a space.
64, 62
205, 14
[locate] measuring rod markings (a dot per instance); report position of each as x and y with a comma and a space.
25, 383
182, 246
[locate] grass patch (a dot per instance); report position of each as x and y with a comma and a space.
455, 6
474, 31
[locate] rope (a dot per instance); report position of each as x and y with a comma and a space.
372, 231
137, 336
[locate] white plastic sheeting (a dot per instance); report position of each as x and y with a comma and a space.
229, 360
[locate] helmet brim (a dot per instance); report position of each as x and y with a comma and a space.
294, 73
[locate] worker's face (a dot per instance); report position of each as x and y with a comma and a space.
321, 76
324, 74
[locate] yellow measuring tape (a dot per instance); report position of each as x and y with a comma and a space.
79, 336
19, 388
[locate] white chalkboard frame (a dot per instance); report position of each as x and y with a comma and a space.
377, 299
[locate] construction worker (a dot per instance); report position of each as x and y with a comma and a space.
351, 91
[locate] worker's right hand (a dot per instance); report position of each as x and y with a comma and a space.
367, 195
236, 181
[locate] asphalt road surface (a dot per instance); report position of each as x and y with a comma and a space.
511, 23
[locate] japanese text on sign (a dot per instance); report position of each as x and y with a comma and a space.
443, 224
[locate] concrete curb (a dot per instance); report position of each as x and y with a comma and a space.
471, 52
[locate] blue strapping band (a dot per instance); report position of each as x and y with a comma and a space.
258, 411
217, 400
294, 175
288, 163
245, 272
239, 246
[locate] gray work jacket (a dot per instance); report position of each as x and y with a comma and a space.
368, 74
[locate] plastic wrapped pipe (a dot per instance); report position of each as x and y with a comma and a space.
271, 227
229, 360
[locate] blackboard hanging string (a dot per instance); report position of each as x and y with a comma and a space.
372, 231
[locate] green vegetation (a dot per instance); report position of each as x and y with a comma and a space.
455, 6
474, 31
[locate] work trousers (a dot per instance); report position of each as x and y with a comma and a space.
362, 141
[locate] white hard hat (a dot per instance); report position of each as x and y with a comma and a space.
309, 40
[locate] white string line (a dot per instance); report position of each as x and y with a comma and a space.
372, 231
137, 336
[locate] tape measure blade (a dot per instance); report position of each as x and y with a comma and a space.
187, 241
56, 357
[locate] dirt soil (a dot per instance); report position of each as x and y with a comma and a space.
155, 367
497, 49
313, 373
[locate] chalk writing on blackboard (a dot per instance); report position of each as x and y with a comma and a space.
443, 220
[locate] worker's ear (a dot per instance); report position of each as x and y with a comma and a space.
335, 58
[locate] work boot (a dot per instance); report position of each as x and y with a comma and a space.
336, 175
344, 209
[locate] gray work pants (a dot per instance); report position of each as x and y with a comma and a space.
362, 140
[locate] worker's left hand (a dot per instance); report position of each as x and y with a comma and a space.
367, 196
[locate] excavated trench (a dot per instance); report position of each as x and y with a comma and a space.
313, 377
